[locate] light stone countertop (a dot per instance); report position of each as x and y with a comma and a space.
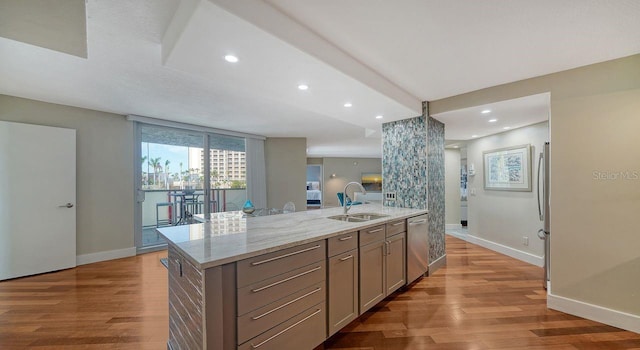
231, 236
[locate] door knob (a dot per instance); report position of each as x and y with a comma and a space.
68, 205
542, 234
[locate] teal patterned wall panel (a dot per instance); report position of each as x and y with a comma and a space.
413, 167
404, 162
435, 188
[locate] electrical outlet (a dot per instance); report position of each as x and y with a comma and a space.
525, 240
390, 196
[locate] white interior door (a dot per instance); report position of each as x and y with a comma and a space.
37, 199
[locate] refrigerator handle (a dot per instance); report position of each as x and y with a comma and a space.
540, 214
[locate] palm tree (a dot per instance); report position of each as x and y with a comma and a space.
166, 173
155, 163
181, 183
144, 159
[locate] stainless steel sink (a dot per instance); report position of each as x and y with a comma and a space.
357, 217
348, 218
368, 216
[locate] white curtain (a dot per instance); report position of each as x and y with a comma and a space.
256, 173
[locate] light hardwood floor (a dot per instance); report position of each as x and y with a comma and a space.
480, 300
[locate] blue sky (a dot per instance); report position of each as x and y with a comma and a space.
175, 154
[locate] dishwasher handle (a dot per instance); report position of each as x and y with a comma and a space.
418, 222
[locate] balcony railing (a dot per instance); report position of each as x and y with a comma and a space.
165, 207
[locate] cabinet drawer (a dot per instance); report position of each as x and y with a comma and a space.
372, 234
262, 319
342, 243
265, 292
396, 227
304, 331
268, 265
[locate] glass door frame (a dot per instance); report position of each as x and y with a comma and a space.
139, 194
206, 132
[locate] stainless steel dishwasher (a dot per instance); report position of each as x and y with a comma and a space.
417, 247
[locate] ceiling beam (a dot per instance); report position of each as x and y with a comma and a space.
273, 21
177, 26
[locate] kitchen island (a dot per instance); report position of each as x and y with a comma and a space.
280, 281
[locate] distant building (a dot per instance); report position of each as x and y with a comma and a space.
228, 165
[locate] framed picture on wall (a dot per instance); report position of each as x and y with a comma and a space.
372, 182
508, 169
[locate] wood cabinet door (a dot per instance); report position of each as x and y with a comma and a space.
396, 270
372, 271
343, 290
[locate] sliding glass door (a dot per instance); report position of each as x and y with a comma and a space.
177, 184
228, 172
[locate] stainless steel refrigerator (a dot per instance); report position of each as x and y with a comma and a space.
543, 209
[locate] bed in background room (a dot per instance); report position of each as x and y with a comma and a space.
314, 194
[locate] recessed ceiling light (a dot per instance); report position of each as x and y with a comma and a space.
493, 120
348, 104
474, 136
455, 146
506, 128
231, 58
303, 87
379, 117
486, 111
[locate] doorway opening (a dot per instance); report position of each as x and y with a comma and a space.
492, 153
314, 186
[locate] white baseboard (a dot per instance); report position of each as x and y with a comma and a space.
457, 235
106, 255
503, 249
594, 312
453, 226
438, 263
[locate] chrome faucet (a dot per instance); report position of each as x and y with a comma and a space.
344, 195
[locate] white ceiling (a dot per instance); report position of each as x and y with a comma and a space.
383, 56
468, 123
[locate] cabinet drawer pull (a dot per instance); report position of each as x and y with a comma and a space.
286, 304
285, 280
284, 330
346, 257
284, 256
345, 238
398, 223
178, 266
387, 248
374, 231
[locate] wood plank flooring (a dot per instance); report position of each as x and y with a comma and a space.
117, 304
480, 300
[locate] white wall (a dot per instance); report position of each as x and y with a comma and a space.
104, 184
346, 170
505, 217
452, 187
286, 168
